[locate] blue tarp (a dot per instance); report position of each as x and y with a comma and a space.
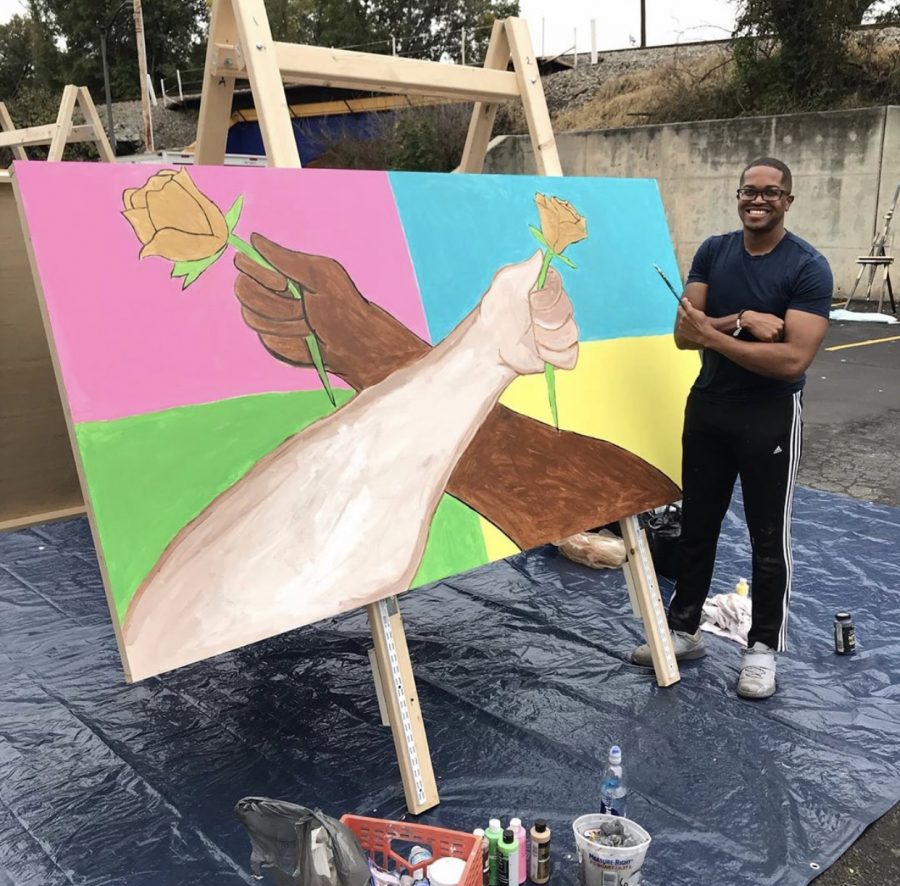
524, 680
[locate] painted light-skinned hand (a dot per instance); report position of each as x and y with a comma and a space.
280, 548
763, 327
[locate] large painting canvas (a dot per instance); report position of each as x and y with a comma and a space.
295, 392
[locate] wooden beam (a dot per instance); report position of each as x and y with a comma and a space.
7, 126
89, 110
482, 123
218, 90
63, 123
528, 78
644, 590
398, 685
44, 135
261, 57
344, 69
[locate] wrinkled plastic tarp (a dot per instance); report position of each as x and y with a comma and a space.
524, 680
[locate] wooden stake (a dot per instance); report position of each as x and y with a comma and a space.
142, 69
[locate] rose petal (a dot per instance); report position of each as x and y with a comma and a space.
139, 219
154, 183
127, 194
217, 224
177, 245
174, 207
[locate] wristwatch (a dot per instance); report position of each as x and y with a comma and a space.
737, 325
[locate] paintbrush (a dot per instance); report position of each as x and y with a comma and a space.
659, 271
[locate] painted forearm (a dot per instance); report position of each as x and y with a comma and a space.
345, 504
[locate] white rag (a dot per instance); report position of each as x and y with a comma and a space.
727, 615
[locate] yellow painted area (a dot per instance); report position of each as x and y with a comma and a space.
630, 391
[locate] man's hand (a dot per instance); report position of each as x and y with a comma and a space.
693, 325
763, 327
530, 327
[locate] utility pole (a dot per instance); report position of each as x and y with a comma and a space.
643, 24
142, 69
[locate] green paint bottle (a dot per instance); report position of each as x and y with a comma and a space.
493, 833
508, 859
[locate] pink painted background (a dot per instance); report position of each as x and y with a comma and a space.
131, 341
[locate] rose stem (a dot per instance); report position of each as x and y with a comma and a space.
549, 369
312, 343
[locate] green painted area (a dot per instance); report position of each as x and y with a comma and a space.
149, 475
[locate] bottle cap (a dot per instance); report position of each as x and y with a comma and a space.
478, 832
515, 823
540, 825
508, 836
615, 755
494, 823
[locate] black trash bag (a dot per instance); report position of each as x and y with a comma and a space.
663, 528
297, 846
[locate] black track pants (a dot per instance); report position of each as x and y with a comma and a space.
760, 442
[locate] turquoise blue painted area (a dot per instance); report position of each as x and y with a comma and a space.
461, 228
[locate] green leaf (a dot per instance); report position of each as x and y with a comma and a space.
567, 260
538, 236
191, 270
233, 214
313, 344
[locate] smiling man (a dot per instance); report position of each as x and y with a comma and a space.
756, 303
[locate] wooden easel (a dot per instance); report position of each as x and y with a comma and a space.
879, 257
64, 131
241, 47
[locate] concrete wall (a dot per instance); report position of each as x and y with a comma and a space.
846, 166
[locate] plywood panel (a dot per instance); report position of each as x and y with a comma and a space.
37, 471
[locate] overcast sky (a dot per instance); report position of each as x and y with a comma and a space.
668, 21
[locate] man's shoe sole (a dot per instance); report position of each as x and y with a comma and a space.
755, 697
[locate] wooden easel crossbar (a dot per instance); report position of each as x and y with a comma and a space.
64, 131
241, 48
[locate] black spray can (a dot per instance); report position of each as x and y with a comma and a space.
844, 634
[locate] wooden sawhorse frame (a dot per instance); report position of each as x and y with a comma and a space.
64, 131
241, 47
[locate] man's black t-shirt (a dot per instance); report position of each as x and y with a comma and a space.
793, 276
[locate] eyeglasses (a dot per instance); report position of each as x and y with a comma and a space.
770, 194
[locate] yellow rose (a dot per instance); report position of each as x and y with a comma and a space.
561, 223
173, 219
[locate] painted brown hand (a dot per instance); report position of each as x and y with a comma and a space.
359, 341
519, 473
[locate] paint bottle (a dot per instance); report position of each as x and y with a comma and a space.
508, 859
417, 855
539, 862
742, 589
493, 833
515, 825
844, 634
485, 857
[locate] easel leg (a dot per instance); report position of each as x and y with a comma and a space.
402, 702
644, 590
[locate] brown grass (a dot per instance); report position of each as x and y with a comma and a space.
678, 90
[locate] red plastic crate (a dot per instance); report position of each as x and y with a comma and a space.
376, 834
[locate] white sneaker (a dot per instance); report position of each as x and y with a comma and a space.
757, 678
687, 647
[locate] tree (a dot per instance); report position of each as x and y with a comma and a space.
806, 64
172, 29
419, 28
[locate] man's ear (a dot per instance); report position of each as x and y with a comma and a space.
790, 200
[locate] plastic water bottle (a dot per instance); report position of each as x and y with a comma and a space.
613, 792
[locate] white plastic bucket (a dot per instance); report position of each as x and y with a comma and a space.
446, 871
609, 865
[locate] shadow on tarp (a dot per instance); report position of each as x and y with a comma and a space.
523, 676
